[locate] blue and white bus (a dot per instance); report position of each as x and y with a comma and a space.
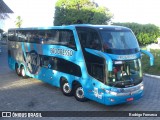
97, 62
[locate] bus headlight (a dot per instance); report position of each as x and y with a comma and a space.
142, 87
113, 93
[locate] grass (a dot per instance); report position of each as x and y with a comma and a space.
155, 69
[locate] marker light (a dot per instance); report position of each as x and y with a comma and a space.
142, 87
112, 100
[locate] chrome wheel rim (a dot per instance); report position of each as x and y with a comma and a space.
23, 72
66, 88
18, 70
80, 92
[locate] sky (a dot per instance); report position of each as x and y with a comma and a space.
34, 13
141, 11
41, 12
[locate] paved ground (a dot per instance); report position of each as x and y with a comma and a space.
33, 95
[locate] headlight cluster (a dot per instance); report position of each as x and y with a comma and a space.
142, 87
111, 92
126, 91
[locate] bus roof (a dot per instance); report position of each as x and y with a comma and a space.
109, 27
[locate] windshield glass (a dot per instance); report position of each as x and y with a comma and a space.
125, 73
119, 41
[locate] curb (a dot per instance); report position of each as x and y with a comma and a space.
154, 76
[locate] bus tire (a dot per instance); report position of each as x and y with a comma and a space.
79, 93
17, 69
23, 72
65, 88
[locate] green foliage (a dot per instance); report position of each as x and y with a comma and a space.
145, 33
18, 21
70, 11
155, 70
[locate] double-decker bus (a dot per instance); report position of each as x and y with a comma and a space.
97, 62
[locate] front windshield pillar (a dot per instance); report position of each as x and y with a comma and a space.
140, 66
108, 64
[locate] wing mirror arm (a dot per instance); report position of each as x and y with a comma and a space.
150, 56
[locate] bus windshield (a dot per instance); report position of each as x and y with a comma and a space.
119, 41
125, 73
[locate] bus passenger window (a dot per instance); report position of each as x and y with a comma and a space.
12, 36
89, 38
95, 43
51, 37
67, 39
71, 42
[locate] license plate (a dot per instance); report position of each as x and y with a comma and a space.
129, 99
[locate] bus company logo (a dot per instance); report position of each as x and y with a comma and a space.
6, 114
124, 57
97, 94
63, 52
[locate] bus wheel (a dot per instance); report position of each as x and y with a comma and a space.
18, 71
79, 93
23, 72
66, 89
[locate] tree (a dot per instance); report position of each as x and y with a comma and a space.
18, 21
145, 33
73, 11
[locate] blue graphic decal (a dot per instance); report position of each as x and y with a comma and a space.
33, 62
49, 66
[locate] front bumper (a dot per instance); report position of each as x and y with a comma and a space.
114, 100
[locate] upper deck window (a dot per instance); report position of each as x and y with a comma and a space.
89, 38
119, 41
49, 36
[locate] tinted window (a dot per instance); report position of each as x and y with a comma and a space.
54, 37
119, 40
89, 38
60, 37
12, 36
21, 35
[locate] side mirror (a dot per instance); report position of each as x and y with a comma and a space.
150, 56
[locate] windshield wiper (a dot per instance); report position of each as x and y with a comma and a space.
120, 82
117, 82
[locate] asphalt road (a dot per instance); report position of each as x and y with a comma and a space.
17, 94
